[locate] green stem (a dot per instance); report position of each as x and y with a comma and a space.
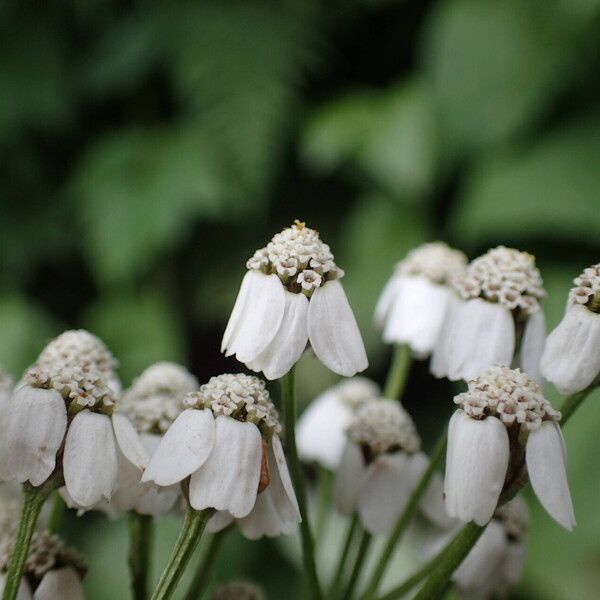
33, 500
288, 398
325, 479
189, 536
398, 373
363, 549
202, 575
140, 548
57, 513
341, 566
406, 516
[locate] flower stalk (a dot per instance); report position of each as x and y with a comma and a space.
363, 550
398, 373
341, 566
288, 400
140, 548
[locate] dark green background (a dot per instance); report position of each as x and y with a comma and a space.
148, 148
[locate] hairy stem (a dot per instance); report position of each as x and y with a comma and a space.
398, 373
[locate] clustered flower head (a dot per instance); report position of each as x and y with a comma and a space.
382, 461
497, 303
321, 429
412, 306
571, 360
226, 442
504, 425
292, 296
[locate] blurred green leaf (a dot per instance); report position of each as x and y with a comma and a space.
26, 328
546, 190
494, 66
138, 192
140, 329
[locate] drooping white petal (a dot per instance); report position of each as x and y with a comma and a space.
546, 459
571, 359
417, 314
532, 345
481, 334
60, 584
228, 480
238, 309
281, 482
349, 479
90, 459
514, 563
129, 441
333, 332
385, 493
219, 521
259, 316
290, 341
479, 574
386, 300
33, 426
432, 503
476, 464
320, 431
440, 356
22, 594
183, 449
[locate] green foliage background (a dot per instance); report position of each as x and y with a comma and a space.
147, 148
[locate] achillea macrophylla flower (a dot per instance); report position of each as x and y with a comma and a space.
53, 571
321, 429
381, 466
7, 384
412, 306
226, 441
504, 423
292, 296
238, 590
497, 303
571, 359
60, 422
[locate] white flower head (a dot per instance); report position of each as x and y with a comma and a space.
321, 429
571, 360
226, 441
412, 306
498, 303
291, 296
504, 423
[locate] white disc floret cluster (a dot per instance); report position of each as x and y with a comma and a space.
506, 276
383, 426
299, 258
509, 395
239, 396
155, 398
587, 289
434, 260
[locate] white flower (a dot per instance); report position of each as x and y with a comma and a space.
482, 456
7, 384
571, 359
321, 429
498, 297
382, 461
226, 441
61, 421
412, 306
290, 296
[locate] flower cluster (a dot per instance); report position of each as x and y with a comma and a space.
506, 276
241, 397
299, 258
435, 260
587, 289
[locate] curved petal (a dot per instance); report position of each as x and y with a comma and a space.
385, 492
219, 521
33, 427
228, 480
545, 458
23, 592
90, 459
440, 357
532, 345
476, 464
320, 430
60, 584
333, 332
129, 441
386, 300
417, 315
514, 563
349, 479
289, 342
281, 483
260, 316
183, 449
238, 309
571, 359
